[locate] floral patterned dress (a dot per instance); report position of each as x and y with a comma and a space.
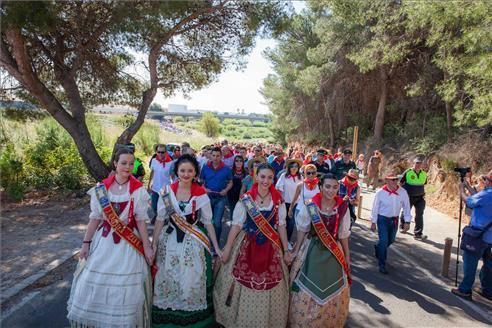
251, 289
183, 283
320, 291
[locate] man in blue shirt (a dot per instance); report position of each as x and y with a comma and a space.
481, 205
217, 179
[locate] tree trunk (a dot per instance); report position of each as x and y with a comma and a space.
379, 121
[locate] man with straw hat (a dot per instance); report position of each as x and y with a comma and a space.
388, 203
350, 192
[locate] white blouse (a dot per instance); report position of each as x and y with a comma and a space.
287, 186
239, 215
140, 203
202, 203
303, 222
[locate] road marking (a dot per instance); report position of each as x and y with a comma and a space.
23, 301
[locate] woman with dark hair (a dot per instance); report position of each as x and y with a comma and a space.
238, 174
287, 185
320, 274
305, 190
252, 287
112, 287
183, 283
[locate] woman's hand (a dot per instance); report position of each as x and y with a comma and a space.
84, 251
288, 258
289, 214
226, 252
149, 254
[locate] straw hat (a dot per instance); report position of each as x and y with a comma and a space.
292, 161
257, 159
354, 174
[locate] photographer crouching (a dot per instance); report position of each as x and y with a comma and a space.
481, 220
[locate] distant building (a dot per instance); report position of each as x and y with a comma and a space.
175, 108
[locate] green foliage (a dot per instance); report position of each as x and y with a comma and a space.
334, 60
11, 170
210, 125
155, 107
178, 119
125, 120
146, 138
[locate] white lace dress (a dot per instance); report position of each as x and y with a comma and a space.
113, 287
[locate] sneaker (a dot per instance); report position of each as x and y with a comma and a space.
479, 291
457, 292
420, 237
383, 270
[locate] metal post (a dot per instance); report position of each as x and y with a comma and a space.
446, 258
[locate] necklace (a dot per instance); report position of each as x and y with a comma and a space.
120, 185
263, 198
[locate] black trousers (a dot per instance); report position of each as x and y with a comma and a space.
419, 203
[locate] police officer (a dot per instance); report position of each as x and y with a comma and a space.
413, 181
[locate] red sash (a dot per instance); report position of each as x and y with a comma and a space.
326, 238
260, 221
112, 218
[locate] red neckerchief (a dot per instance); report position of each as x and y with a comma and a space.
238, 171
311, 184
221, 165
385, 188
294, 177
276, 196
167, 159
134, 183
349, 186
228, 155
317, 200
196, 189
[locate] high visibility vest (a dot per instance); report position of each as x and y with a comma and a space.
136, 165
413, 178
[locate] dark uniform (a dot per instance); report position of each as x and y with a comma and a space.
414, 183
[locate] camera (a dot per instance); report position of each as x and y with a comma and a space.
462, 171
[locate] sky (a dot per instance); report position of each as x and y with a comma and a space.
234, 89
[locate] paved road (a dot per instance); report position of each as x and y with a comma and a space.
412, 295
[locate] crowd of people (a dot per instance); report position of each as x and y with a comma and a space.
285, 260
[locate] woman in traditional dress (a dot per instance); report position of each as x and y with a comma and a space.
320, 281
183, 283
251, 289
112, 285
287, 185
305, 190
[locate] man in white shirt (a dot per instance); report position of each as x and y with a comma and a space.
160, 175
388, 203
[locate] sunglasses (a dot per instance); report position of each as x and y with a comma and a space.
394, 179
238, 160
294, 166
310, 173
177, 149
161, 152
350, 178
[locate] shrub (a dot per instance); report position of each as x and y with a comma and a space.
147, 137
11, 170
178, 119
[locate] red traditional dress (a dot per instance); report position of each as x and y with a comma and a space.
251, 289
113, 288
320, 290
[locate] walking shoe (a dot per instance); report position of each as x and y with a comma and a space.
480, 292
420, 237
382, 269
457, 292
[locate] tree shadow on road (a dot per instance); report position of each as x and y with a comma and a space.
407, 280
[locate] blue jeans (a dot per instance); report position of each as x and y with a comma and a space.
387, 228
154, 197
218, 204
470, 263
